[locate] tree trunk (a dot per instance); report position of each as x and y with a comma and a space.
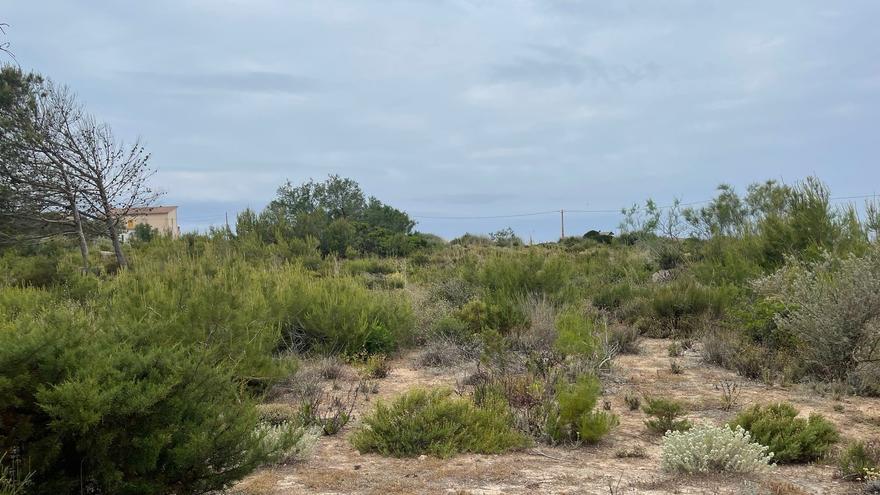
111, 227
77, 220
83, 244
117, 246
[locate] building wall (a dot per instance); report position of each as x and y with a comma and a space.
165, 223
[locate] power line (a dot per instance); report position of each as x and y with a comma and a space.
486, 216
618, 210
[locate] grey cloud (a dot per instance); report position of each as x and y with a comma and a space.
546, 65
467, 198
464, 107
237, 82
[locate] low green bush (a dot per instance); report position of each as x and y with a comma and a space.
576, 334
374, 266
529, 273
574, 418
790, 438
677, 306
611, 297
335, 315
93, 404
492, 312
664, 415
452, 328
434, 422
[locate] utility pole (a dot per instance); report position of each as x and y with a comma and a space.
562, 223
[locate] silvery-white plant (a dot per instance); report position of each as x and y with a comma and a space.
706, 448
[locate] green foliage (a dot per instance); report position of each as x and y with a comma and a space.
505, 238
336, 213
471, 240
858, 460
452, 328
574, 418
757, 321
145, 233
337, 315
522, 274
434, 422
677, 307
105, 405
612, 296
493, 312
791, 439
664, 415
575, 334
376, 366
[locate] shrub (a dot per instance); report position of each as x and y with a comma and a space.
337, 315
637, 452
110, 408
664, 414
859, 460
451, 327
439, 354
791, 439
574, 418
575, 334
632, 401
277, 413
678, 305
708, 449
291, 441
436, 423
376, 366
454, 291
833, 308
493, 312
540, 333
625, 338
611, 297
510, 276
666, 254
331, 368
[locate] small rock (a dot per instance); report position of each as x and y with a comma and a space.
357, 467
423, 457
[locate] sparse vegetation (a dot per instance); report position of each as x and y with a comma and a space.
312, 324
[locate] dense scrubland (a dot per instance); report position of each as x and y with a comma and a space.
207, 357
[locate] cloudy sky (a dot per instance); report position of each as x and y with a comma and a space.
463, 108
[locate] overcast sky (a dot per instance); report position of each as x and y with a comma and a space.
473, 108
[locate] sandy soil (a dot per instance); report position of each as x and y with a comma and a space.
337, 468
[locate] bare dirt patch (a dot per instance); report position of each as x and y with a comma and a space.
336, 467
